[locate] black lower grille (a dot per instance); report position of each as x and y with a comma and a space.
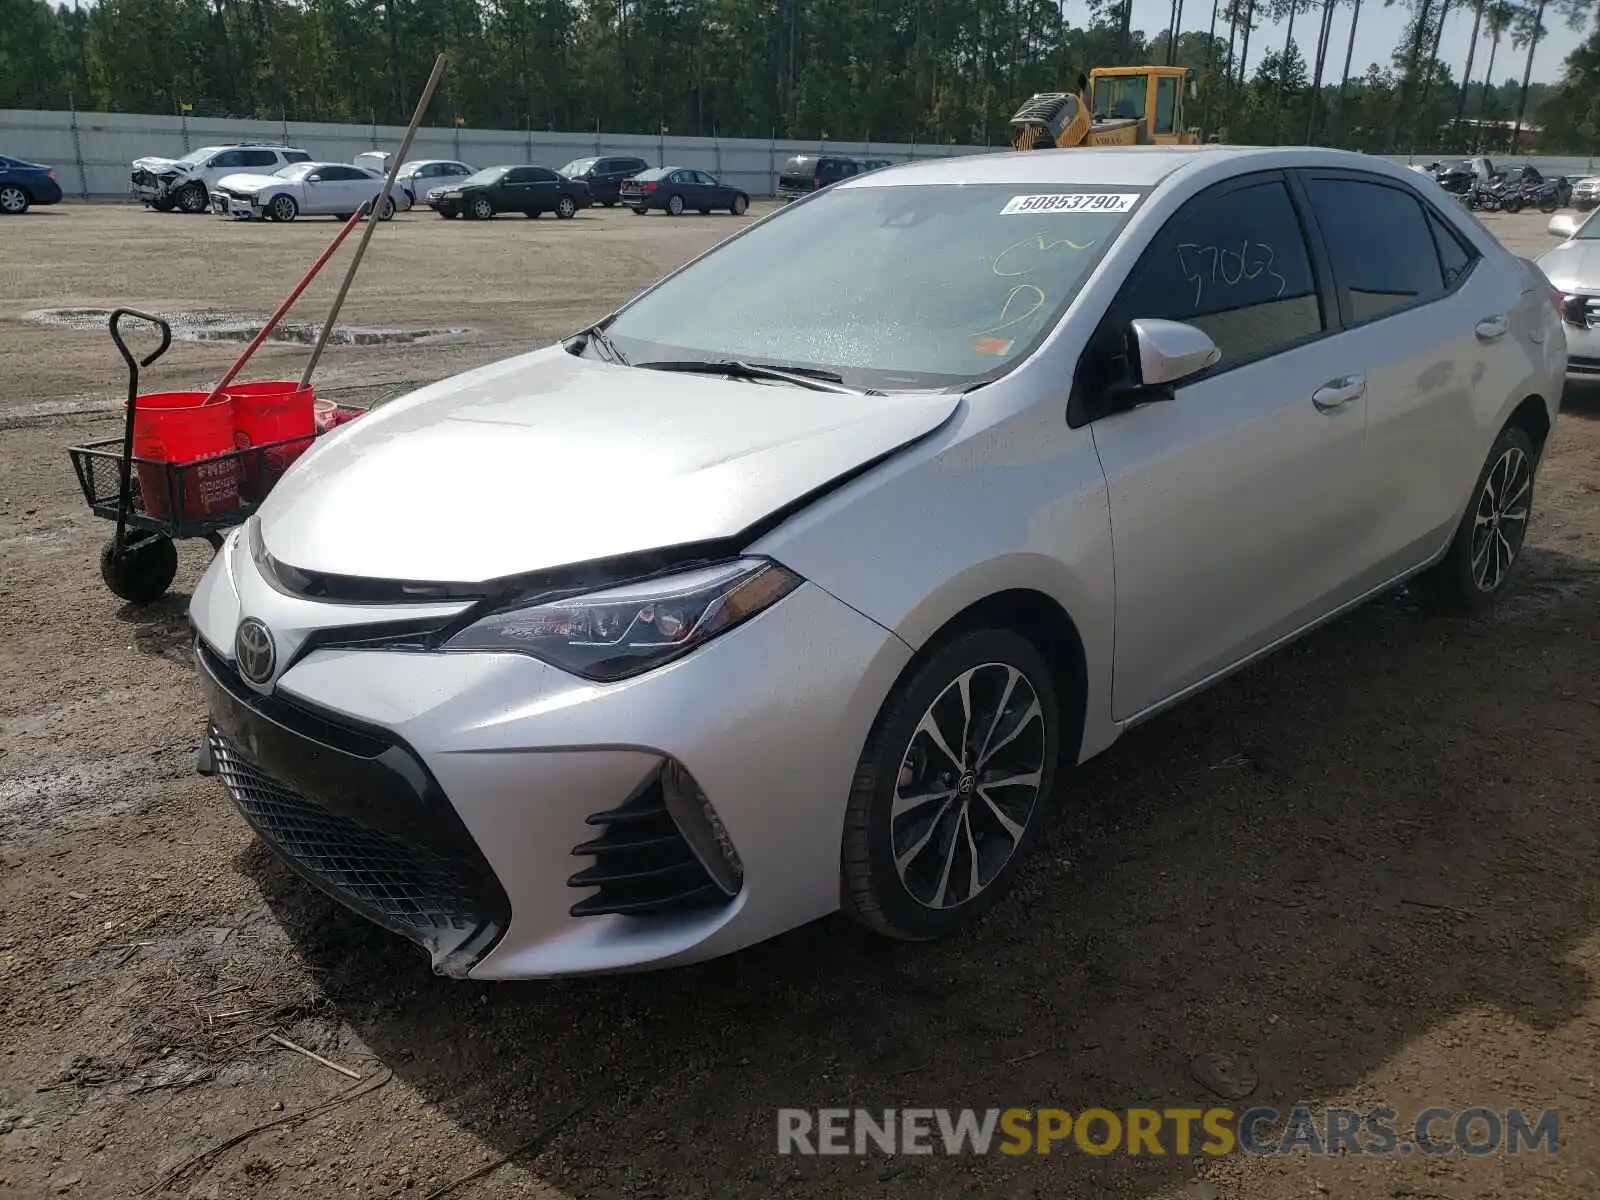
1579, 364
643, 866
411, 890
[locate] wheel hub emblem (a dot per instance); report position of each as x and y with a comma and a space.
254, 650
969, 781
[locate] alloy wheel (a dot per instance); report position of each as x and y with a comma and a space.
13, 200
968, 785
284, 208
1500, 520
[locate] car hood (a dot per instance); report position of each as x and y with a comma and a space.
156, 163
247, 181
1573, 266
549, 460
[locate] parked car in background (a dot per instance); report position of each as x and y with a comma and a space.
185, 183
309, 189
24, 184
377, 161
1573, 269
419, 176
806, 173
675, 190
604, 175
1586, 193
858, 555
875, 164
527, 190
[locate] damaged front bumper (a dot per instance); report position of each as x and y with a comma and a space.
240, 208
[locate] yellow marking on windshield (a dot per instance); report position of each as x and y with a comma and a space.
1040, 241
1017, 293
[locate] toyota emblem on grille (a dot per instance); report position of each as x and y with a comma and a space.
253, 648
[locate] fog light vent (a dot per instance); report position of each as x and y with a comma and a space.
701, 827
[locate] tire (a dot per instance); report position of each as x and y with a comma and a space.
675, 206
143, 571
163, 204
640, 212
342, 217
1511, 206
739, 206
533, 214
566, 208
386, 209
1464, 581
481, 209
705, 212
1548, 206
192, 198
282, 207
915, 899
609, 203
14, 200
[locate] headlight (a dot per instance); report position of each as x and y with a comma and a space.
452, 195
627, 630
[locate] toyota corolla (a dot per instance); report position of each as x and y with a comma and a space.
799, 582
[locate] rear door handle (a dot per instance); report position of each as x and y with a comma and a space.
1336, 393
1492, 327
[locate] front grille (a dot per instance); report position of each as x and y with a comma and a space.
643, 866
411, 890
143, 177
1579, 364
1583, 312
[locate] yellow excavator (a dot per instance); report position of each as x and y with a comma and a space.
1113, 106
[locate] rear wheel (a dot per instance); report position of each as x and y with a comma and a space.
950, 791
342, 216
1488, 542
566, 208
609, 203
639, 212
675, 206
282, 207
739, 205
385, 209
14, 200
192, 198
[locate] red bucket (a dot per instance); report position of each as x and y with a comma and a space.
264, 413
179, 428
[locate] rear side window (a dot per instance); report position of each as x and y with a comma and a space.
258, 158
1232, 262
1383, 252
295, 156
1455, 259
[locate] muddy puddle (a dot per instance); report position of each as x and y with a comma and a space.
242, 327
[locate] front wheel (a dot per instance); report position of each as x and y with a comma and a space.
142, 570
639, 212
482, 208
1488, 542
566, 208
162, 203
675, 206
192, 198
283, 207
949, 794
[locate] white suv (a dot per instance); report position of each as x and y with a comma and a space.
185, 183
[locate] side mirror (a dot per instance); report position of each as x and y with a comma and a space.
313, 178
1169, 351
1562, 226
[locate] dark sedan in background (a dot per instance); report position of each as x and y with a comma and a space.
527, 190
24, 184
604, 175
676, 189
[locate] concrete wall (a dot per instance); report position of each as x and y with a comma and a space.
91, 152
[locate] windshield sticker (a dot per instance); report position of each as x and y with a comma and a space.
1071, 202
990, 345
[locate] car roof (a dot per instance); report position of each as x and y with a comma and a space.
1126, 166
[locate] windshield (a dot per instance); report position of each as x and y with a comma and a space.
1120, 97
487, 175
890, 287
295, 171
577, 166
200, 155
1589, 231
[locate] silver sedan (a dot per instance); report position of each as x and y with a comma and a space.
1574, 270
799, 582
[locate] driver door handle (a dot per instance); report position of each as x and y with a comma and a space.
1492, 327
1336, 393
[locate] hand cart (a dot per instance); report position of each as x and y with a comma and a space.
152, 501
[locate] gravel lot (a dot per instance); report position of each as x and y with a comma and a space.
1365, 870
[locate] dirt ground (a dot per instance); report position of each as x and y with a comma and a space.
1365, 870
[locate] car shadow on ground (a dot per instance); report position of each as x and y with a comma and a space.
161, 627
1305, 868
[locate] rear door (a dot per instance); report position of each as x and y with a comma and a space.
1236, 508
1430, 322
544, 189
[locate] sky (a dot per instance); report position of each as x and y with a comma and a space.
1379, 30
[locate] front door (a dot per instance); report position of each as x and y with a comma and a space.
1235, 507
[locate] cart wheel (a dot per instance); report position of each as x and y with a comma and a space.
142, 571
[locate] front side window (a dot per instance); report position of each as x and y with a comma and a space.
1166, 104
891, 287
228, 159
1234, 264
1378, 239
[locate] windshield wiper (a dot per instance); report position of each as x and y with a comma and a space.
814, 378
595, 335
